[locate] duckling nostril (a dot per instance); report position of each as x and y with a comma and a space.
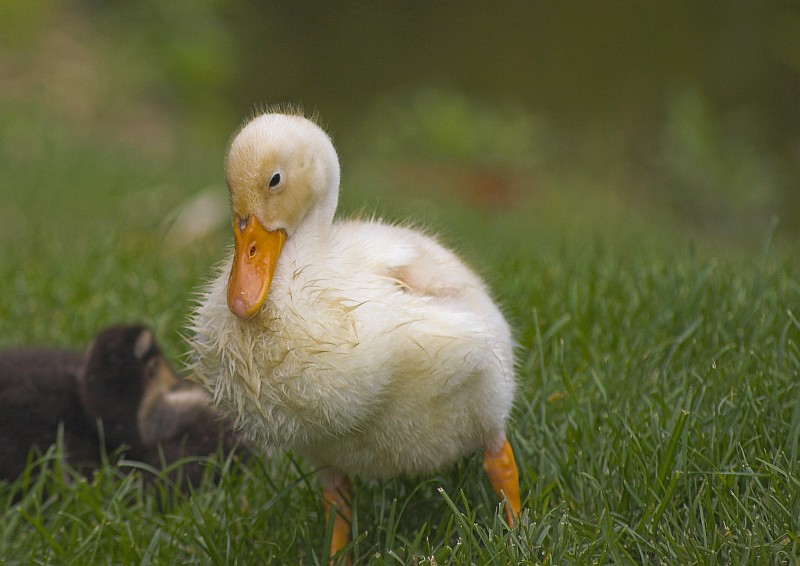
252, 251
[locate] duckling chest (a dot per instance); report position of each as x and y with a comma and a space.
315, 367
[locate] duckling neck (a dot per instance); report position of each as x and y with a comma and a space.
312, 237
318, 222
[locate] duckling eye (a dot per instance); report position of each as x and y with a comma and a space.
275, 180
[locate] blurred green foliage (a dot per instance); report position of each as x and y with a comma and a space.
712, 169
685, 109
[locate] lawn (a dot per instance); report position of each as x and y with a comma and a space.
658, 415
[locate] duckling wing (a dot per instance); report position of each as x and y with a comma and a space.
416, 262
426, 299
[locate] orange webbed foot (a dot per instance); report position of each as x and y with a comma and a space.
336, 498
502, 471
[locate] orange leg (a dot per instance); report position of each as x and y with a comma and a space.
336, 497
502, 471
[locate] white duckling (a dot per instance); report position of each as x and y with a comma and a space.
369, 349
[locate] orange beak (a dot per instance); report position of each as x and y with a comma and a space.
254, 258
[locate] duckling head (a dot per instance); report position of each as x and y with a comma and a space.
283, 176
123, 374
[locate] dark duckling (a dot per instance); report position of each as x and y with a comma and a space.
121, 392
38, 394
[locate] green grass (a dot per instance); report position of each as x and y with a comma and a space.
657, 421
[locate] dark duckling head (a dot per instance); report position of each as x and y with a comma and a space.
128, 385
124, 375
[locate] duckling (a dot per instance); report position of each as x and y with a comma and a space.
127, 386
120, 390
369, 349
39, 393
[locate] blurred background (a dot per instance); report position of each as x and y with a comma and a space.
676, 121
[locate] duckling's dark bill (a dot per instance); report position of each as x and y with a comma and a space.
254, 259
